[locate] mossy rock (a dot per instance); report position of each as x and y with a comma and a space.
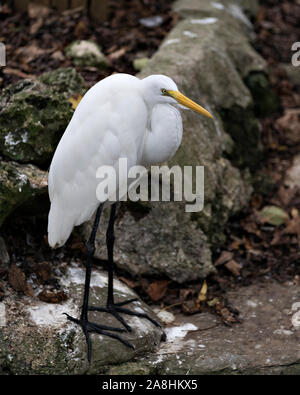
35, 113
19, 184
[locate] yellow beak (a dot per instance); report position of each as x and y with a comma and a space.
185, 101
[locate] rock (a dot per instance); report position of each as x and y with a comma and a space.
140, 63
86, 53
209, 55
154, 244
18, 184
35, 113
292, 179
265, 342
37, 338
4, 257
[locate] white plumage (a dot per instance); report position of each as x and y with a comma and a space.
119, 117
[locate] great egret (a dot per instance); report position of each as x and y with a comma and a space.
119, 117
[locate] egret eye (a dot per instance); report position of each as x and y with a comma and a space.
164, 91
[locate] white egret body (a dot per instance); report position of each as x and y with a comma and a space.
119, 117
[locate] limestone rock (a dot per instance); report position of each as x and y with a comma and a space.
155, 244
86, 53
18, 184
265, 342
37, 338
35, 113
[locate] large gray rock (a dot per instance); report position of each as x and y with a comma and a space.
265, 342
209, 55
37, 338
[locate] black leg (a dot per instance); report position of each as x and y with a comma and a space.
112, 307
87, 326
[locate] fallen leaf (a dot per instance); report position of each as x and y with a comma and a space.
52, 296
223, 258
203, 292
117, 54
157, 289
19, 73
75, 101
273, 215
129, 283
233, 267
17, 279
38, 10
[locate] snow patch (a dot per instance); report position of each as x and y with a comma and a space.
204, 21
219, 6
46, 314
190, 34
171, 41
179, 332
76, 275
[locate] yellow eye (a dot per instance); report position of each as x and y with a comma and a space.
164, 91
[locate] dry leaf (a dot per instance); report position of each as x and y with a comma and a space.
233, 267
223, 258
75, 101
157, 289
203, 292
17, 279
129, 283
52, 296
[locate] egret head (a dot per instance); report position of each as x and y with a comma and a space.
162, 89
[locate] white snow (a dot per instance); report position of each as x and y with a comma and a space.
219, 6
46, 314
76, 275
179, 332
171, 41
204, 21
190, 34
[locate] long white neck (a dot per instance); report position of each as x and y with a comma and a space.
163, 136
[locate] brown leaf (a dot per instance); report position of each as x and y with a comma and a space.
18, 73
75, 101
233, 267
157, 289
223, 258
52, 296
203, 293
37, 10
17, 279
129, 283
190, 307
117, 54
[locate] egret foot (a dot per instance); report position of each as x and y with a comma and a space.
116, 308
90, 327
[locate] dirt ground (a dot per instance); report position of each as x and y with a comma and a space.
255, 250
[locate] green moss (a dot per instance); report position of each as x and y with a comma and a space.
35, 114
265, 100
244, 130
